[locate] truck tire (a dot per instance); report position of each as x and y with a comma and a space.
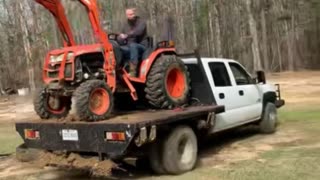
268, 123
42, 103
168, 83
155, 158
180, 151
94, 101
24, 154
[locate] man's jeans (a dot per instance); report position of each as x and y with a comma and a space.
133, 52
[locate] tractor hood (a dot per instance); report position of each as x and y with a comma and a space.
78, 50
56, 9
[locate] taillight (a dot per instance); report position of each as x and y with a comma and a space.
31, 134
115, 136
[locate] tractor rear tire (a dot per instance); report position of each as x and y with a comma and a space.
168, 83
45, 110
94, 101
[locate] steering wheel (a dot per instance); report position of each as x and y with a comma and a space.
115, 37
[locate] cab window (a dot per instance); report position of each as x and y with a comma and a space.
220, 74
240, 75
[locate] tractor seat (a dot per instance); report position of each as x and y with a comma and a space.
150, 48
117, 52
121, 62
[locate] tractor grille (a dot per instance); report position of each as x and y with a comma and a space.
54, 67
53, 74
67, 71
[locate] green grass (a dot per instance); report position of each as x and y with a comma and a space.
280, 164
300, 160
293, 164
9, 139
299, 115
304, 119
290, 162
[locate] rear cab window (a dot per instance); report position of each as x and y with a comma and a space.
220, 74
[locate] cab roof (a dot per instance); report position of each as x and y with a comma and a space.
206, 59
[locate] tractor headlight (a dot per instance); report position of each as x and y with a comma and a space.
55, 59
69, 55
59, 58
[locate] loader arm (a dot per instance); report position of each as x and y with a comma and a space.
102, 36
99, 33
56, 9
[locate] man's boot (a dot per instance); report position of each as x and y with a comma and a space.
133, 70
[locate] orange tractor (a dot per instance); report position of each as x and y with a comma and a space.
92, 76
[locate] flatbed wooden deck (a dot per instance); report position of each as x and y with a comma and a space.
91, 136
143, 117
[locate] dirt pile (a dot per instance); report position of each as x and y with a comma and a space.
74, 161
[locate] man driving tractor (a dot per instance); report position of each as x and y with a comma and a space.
90, 73
134, 32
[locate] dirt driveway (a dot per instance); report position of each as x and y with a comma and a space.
229, 155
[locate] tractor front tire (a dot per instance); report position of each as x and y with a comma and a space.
44, 108
94, 101
168, 83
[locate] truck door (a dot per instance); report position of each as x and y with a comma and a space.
247, 92
224, 93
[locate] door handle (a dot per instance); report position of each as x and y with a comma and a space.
241, 93
221, 96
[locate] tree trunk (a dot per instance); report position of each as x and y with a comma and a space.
218, 32
254, 35
289, 48
211, 33
264, 41
27, 47
194, 29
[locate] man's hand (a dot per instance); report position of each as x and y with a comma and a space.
123, 36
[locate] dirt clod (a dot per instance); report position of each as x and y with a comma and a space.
75, 161
262, 160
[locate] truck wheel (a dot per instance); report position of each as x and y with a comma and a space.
268, 123
24, 154
155, 158
180, 151
48, 106
168, 83
94, 100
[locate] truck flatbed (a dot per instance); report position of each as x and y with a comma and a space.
91, 136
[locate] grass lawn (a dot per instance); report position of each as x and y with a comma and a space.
9, 138
298, 160
290, 161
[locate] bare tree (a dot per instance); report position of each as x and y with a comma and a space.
274, 35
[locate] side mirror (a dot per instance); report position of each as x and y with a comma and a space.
261, 77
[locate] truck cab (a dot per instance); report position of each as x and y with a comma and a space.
229, 84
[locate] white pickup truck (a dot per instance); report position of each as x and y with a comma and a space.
223, 96
246, 99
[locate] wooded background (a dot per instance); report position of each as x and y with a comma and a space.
273, 35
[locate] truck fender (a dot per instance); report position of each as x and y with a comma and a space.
269, 97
